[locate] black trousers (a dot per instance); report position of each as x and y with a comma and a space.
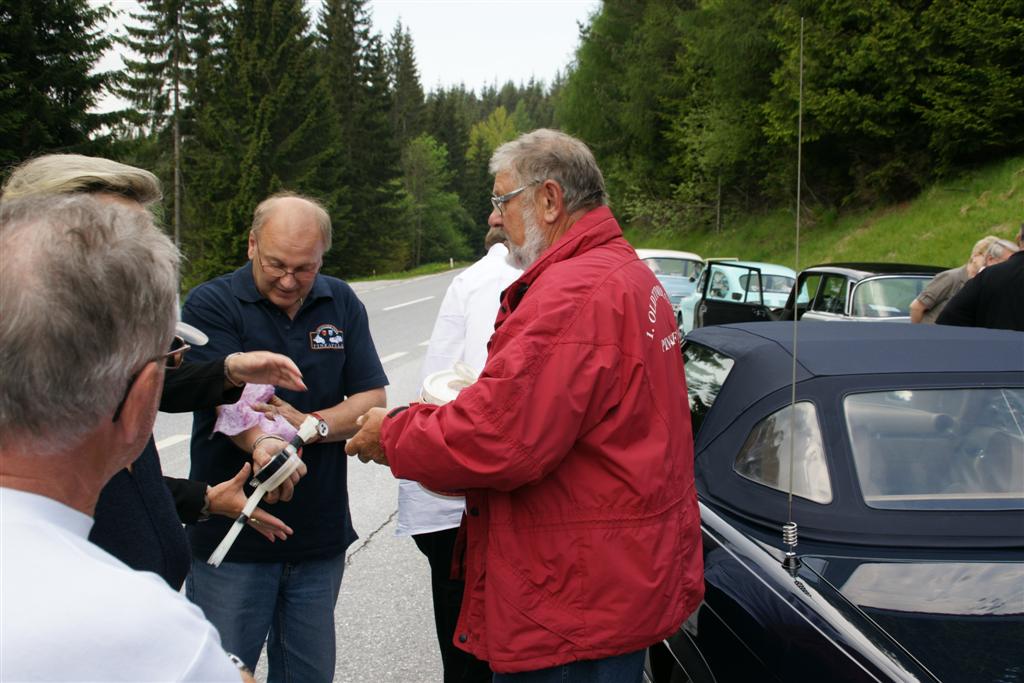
459, 666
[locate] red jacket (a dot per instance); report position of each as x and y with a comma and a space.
575, 451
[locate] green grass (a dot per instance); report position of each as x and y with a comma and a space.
939, 227
425, 269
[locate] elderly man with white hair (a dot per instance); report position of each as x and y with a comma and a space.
582, 534
88, 294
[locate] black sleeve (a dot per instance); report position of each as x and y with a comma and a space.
189, 497
196, 386
962, 309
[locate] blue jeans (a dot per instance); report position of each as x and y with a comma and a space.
627, 668
288, 604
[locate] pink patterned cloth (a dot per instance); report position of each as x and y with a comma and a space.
237, 417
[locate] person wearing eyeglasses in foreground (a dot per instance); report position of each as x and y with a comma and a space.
582, 533
139, 513
279, 301
88, 291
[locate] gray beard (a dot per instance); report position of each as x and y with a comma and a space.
534, 244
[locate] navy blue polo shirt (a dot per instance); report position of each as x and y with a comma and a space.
329, 340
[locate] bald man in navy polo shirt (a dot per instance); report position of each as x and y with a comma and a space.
279, 302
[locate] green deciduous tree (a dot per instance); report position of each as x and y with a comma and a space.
435, 220
973, 94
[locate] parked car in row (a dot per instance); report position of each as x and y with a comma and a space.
902, 462
871, 292
875, 292
735, 291
676, 270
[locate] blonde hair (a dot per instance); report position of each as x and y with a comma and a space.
75, 173
981, 246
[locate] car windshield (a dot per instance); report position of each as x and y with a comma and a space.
779, 284
939, 449
675, 267
887, 297
706, 372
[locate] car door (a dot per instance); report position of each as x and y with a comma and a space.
732, 293
830, 301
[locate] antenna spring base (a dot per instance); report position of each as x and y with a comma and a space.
789, 536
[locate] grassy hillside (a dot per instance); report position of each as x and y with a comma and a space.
939, 227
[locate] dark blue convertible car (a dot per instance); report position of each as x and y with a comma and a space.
901, 461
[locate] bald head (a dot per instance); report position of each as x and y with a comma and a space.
288, 208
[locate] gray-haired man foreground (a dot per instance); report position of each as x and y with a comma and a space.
87, 311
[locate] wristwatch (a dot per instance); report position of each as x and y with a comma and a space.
322, 428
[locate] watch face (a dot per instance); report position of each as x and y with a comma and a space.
321, 428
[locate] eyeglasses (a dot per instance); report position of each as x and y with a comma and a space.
499, 201
303, 274
176, 356
172, 361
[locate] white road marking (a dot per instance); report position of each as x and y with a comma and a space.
407, 303
172, 440
393, 356
424, 343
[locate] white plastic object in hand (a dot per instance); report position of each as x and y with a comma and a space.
306, 431
443, 386
440, 388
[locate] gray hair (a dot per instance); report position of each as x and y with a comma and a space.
74, 173
981, 246
87, 296
266, 208
551, 154
1000, 248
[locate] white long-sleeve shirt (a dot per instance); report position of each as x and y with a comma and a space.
463, 327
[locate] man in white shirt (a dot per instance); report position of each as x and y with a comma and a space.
88, 289
464, 326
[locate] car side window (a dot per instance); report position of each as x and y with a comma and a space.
831, 296
706, 371
719, 288
765, 455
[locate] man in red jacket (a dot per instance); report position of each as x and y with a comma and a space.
574, 447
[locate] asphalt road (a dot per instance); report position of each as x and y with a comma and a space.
383, 619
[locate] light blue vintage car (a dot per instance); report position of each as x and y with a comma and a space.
677, 271
743, 287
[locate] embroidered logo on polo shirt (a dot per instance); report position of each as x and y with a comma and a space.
326, 337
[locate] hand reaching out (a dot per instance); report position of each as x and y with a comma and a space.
366, 443
228, 498
264, 367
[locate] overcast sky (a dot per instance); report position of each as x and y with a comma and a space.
473, 42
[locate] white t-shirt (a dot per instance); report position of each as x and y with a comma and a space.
464, 325
70, 611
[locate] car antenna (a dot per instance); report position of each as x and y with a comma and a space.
789, 530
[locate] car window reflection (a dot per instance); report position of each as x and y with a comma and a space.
765, 456
939, 449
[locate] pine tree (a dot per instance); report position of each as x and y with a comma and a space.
48, 51
168, 36
353, 67
262, 126
407, 103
